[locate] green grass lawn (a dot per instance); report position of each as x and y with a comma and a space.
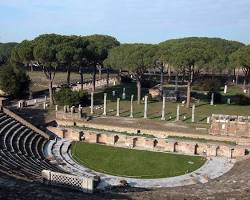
202, 111
134, 163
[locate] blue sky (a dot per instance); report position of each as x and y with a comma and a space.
149, 21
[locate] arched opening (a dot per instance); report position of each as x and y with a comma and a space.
81, 136
155, 143
98, 138
231, 153
246, 152
134, 142
176, 147
74, 123
196, 149
217, 151
116, 138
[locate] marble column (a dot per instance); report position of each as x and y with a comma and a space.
145, 107
44, 105
118, 107
212, 99
193, 109
131, 106
80, 112
56, 108
225, 89
163, 108
124, 94
178, 113
92, 104
105, 104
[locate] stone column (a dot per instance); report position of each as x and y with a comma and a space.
44, 105
225, 89
131, 106
124, 94
105, 104
118, 107
208, 120
193, 109
212, 99
145, 107
163, 108
45, 98
80, 112
72, 109
92, 104
178, 113
65, 109
56, 108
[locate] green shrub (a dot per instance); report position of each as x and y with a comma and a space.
241, 99
65, 96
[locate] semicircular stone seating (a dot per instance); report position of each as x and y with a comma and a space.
22, 150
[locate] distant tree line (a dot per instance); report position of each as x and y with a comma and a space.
189, 57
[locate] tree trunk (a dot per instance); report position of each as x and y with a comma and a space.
138, 85
162, 80
81, 75
51, 99
169, 73
100, 73
188, 94
94, 79
107, 77
68, 77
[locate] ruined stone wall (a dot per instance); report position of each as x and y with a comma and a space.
230, 125
154, 144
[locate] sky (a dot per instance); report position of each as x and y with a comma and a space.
147, 21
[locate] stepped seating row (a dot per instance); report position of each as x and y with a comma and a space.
61, 152
22, 150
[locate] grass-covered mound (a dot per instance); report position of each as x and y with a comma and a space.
134, 163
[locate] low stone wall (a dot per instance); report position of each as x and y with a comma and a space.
71, 134
98, 83
169, 145
68, 119
153, 144
230, 125
74, 182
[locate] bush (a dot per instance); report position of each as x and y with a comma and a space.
65, 96
207, 85
217, 97
126, 79
241, 99
14, 81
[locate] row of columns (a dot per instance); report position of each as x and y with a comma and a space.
145, 116
72, 109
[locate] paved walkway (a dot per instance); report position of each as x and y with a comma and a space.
213, 168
